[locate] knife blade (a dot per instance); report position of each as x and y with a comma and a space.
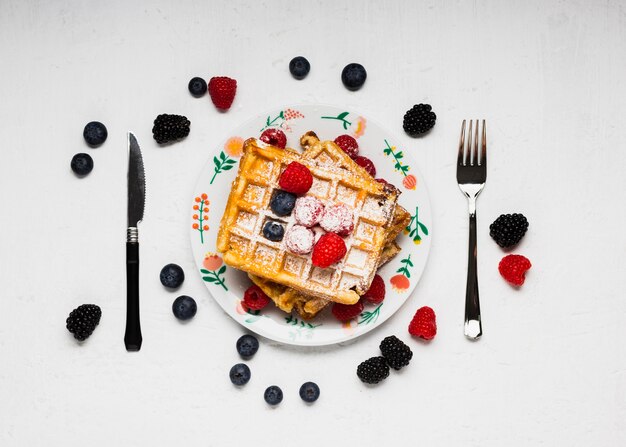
136, 204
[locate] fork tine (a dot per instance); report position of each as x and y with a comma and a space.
475, 160
461, 144
483, 152
470, 152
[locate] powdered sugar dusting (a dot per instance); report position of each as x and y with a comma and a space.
338, 219
308, 211
299, 239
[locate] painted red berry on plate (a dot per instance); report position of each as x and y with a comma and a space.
329, 249
275, 137
366, 164
376, 292
424, 323
296, 179
254, 298
222, 91
346, 312
513, 268
348, 144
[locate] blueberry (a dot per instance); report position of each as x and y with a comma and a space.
172, 276
273, 231
309, 392
247, 345
273, 395
353, 76
240, 374
299, 67
197, 87
95, 133
184, 307
282, 203
82, 164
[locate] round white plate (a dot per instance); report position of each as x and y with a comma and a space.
393, 163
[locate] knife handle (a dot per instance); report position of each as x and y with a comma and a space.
132, 337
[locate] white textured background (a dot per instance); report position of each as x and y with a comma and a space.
547, 75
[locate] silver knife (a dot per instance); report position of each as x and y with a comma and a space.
136, 203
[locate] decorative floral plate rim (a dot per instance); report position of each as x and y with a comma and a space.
393, 163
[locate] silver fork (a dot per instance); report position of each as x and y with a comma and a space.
471, 175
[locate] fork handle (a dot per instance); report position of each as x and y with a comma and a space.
473, 326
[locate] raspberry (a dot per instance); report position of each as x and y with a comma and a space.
299, 240
346, 312
275, 137
348, 144
308, 211
366, 164
513, 267
383, 181
329, 249
296, 178
338, 219
376, 293
508, 229
395, 352
424, 324
222, 90
373, 370
254, 298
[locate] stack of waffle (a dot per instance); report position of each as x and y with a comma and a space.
289, 279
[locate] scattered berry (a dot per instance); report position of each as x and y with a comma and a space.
508, 229
247, 346
329, 249
296, 178
240, 374
383, 181
222, 91
95, 133
275, 137
308, 211
338, 219
309, 392
172, 276
299, 240
353, 76
254, 298
83, 320
513, 268
419, 119
348, 144
273, 231
366, 164
81, 164
373, 370
273, 395
424, 324
346, 312
282, 203
396, 352
169, 128
299, 67
184, 307
197, 87
376, 293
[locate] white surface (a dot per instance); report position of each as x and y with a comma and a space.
548, 77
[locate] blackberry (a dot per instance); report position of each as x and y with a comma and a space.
299, 67
83, 320
197, 87
309, 392
172, 276
247, 346
240, 374
273, 231
95, 133
353, 76
419, 119
395, 352
273, 395
373, 370
508, 229
184, 307
81, 164
170, 128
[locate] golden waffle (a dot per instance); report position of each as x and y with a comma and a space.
243, 246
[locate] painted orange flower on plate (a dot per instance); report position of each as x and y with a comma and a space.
359, 127
234, 146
